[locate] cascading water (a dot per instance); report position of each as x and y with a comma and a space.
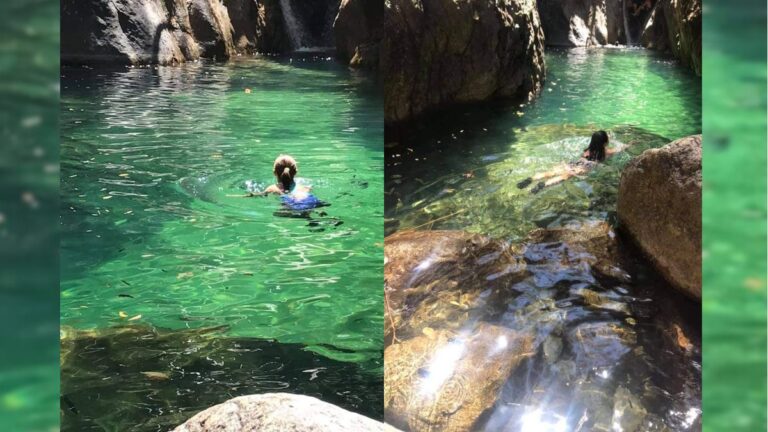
292, 25
626, 22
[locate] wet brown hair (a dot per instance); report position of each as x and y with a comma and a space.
285, 170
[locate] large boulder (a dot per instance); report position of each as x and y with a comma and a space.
660, 209
358, 32
438, 53
279, 412
675, 26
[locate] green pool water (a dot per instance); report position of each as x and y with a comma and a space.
460, 170
153, 164
734, 216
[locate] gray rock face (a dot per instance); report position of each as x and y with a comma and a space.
145, 31
660, 209
438, 53
127, 32
174, 31
576, 23
279, 412
358, 32
675, 26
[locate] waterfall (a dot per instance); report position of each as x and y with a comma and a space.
292, 25
626, 22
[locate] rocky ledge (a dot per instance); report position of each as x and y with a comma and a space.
437, 53
660, 209
279, 412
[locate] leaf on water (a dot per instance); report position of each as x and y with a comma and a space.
184, 275
134, 318
247, 91
156, 376
122, 314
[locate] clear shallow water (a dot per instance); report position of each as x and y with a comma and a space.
150, 158
593, 338
461, 170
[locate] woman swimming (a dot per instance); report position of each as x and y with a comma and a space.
296, 197
594, 154
285, 169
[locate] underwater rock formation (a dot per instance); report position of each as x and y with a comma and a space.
279, 412
141, 378
170, 32
675, 26
445, 381
358, 31
660, 208
482, 334
439, 53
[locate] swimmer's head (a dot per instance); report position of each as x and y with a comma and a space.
285, 169
596, 150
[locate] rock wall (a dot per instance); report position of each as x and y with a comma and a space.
660, 209
358, 31
575, 23
128, 32
174, 31
675, 26
438, 53
279, 412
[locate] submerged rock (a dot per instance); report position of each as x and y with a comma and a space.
675, 26
659, 207
445, 381
279, 412
358, 30
579, 313
141, 378
439, 277
439, 53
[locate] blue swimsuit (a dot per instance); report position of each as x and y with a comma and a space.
301, 202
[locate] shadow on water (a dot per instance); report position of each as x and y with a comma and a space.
142, 378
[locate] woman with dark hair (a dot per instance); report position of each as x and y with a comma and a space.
596, 152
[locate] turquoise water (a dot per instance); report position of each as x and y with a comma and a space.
155, 231
734, 216
461, 170
29, 310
